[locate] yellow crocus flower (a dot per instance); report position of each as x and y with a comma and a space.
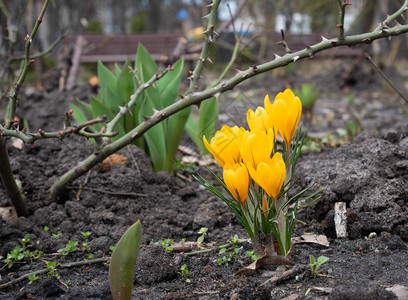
236, 179
224, 146
256, 146
260, 119
270, 174
285, 112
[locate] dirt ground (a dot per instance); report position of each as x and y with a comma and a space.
370, 174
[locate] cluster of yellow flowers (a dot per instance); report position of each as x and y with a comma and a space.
247, 154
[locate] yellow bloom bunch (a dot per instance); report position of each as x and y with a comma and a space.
255, 174
240, 151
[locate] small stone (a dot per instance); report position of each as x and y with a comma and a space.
372, 235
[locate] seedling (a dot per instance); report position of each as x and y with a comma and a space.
20, 253
69, 248
46, 229
252, 255
85, 245
200, 240
225, 260
52, 268
32, 278
184, 272
166, 244
55, 236
315, 265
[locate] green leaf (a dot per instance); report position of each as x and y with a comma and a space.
99, 109
125, 85
106, 77
312, 260
145, 65
155, 136
123, 262
321, 260
169, 87
86, 108
117, 71
191, 129
169, 84
77, 113
207, 122
110, 98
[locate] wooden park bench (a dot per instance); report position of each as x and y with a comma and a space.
119, 48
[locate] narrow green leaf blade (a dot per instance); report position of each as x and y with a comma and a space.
99, 110
77, 113
145, 65
106, 77
155, 136
207, 122
169, 85
86, 107
123, 262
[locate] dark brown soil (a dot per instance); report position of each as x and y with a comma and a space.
370, 174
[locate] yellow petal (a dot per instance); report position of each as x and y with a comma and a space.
236, 179
270, 175
285, 113
256, 146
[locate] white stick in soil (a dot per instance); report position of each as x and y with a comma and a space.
340, 219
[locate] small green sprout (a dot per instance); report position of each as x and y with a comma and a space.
165, 244
184, 272
69, 248
52, 268
225, 260
85, 245
20, 253
55, 236
200, 240
33, 278
46, 229
315, 265
252, 255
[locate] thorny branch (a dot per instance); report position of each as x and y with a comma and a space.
11, 107
196, 97
75, 129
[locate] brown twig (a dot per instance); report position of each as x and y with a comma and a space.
108, 192
63, 266
286, 274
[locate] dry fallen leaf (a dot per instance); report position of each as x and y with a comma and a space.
292, 297
312, 239
112, 160
264, 260
9, 214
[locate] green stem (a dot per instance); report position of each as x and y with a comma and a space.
13, 191
196, 97
209, 37
11, 107
391, 18
238, 242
